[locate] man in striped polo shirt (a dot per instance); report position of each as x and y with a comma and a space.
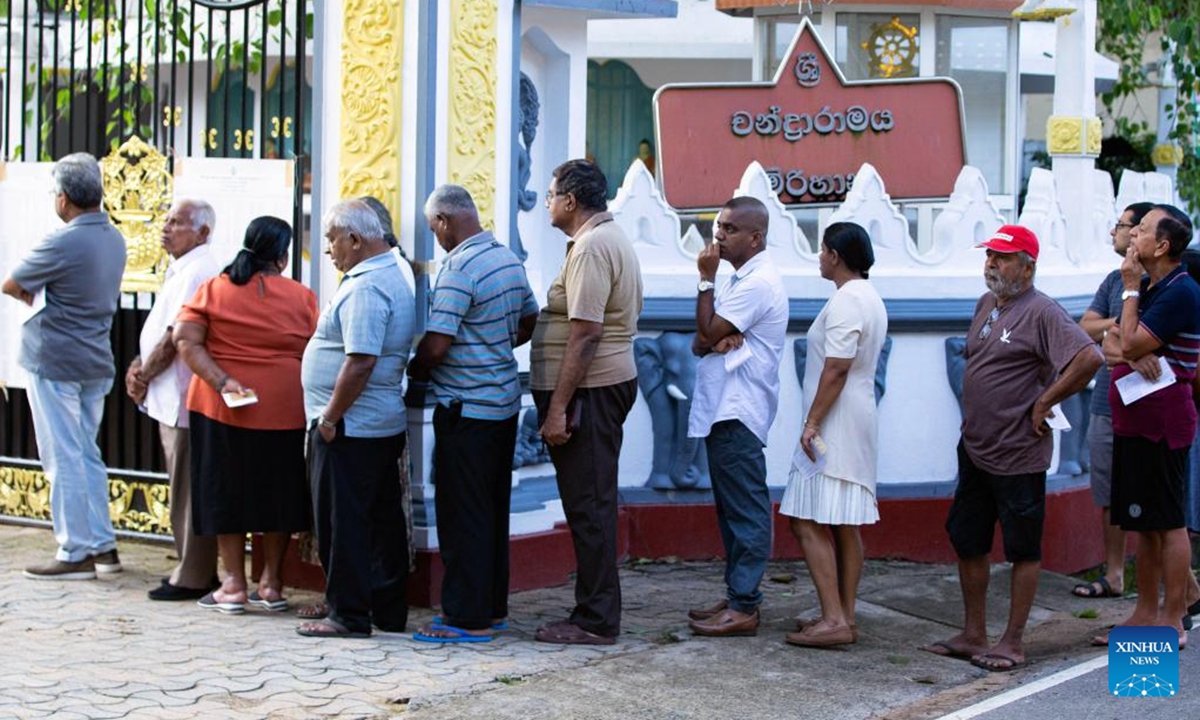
1160, 315
481, 308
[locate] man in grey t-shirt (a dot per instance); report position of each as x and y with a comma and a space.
74, 275
1024, 355
1100, 317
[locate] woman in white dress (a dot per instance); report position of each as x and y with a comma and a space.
831, 490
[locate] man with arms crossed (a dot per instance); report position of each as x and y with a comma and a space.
734, 404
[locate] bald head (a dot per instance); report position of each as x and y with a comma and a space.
750, 212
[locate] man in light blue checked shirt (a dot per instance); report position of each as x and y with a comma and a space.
352, 373
481, 308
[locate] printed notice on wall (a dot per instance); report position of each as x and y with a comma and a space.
27, 206
239, 191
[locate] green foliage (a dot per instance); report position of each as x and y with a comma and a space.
1126, 28
123, 85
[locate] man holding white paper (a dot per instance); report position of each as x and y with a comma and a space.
1153, 431
1024, 355
734, 404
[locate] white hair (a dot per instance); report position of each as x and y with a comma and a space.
201, 213
450, 200
353, 216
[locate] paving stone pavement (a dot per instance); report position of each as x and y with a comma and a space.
100, 649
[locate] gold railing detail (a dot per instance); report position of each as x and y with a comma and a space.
135, 505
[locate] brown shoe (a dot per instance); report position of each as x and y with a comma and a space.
822, 637
708, 612
802, 623
85, 569
727, 623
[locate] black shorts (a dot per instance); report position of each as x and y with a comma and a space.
981, 498
1148, 478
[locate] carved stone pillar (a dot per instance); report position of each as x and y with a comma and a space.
474, 62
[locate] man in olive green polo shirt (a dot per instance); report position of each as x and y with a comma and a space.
584, 382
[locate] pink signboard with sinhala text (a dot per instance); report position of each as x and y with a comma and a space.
811, 130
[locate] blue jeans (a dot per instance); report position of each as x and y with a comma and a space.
66, 418
738, 467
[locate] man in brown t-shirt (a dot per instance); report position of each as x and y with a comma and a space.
584, 382
1024, 355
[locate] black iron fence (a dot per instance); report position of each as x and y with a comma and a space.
193, 78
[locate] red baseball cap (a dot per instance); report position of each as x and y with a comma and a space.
1011, 239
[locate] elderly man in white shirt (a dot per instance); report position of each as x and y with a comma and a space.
157, 380
739, 337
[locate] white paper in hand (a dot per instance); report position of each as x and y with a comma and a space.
1134, 387
809, 468
1059, 421
734, 359
236, 400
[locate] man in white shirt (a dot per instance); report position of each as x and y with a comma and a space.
740, 332
157, 380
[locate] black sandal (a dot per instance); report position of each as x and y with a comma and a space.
1089, 590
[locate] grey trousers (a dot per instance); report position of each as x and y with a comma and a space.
197, 555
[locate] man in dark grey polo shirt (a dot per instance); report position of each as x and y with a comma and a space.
74, 278
1024, 356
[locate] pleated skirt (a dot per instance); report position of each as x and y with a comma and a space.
828, 500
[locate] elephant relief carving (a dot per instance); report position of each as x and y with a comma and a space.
1072, 446
667, 377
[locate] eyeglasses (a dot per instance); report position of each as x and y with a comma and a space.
987, 326
551, 194
1120, 225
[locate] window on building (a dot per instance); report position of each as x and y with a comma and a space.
975, 52
871, 45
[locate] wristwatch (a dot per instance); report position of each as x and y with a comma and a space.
1130, 294
325, 423
705, 286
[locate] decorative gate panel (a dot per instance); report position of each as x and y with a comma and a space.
190, 78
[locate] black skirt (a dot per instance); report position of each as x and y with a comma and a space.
247, 480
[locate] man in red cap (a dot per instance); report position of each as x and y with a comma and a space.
1024, 355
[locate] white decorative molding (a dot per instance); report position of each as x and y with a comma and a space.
968, 219
692, 242
1138, 187
1160, 188
869, 205
641, 211
785, 239
1104, 215
1043, 215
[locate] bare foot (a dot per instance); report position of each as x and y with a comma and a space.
959, 646
229, 596
1001, 658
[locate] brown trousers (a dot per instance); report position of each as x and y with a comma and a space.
197, 555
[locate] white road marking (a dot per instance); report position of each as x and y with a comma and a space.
1025, 691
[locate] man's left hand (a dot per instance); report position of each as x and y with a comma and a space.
554, 430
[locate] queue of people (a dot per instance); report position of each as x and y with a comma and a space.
276, 418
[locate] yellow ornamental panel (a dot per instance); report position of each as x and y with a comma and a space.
137, 195
472, 131
372, 51
1064, 135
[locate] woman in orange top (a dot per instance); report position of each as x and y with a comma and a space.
243, 333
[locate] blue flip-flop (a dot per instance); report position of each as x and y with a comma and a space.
269, 605
457, 635
498, 625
